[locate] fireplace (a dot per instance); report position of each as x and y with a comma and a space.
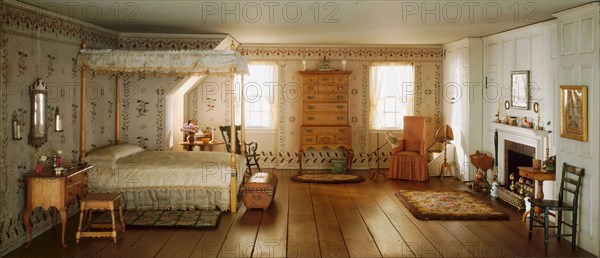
516, 188
516, 155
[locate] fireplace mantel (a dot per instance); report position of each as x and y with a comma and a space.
526, 136
516, 130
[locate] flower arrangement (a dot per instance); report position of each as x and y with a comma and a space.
550, 163
190, 128
56, 158
41, 159
38, 164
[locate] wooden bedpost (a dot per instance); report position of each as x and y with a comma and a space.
242, 119
233, 184
117, 108
82, 117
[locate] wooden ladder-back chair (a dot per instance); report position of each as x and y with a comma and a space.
251, 147
570, 185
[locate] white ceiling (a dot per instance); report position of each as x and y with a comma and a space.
315, 22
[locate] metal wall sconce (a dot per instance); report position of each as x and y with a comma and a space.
57, 121
16, 127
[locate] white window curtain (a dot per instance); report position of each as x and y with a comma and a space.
391, 95
260, 91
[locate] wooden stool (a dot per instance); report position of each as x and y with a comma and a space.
100, 201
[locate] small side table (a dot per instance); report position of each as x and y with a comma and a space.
539, 175
190, 146
49, 190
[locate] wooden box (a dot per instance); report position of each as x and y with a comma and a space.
259, 190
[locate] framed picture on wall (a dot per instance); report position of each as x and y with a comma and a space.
519, 89
573, 112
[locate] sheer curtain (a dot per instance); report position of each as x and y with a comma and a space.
391, 95
260, 90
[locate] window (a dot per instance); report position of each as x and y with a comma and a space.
391, 94
260, 90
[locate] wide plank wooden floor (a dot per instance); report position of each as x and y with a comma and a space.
327, 220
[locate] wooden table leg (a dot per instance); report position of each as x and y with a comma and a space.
82, 214
300, 154
26, 220
350, 159
63, 219
525, 215
54, 216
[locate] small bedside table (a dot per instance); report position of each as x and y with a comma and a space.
49, 190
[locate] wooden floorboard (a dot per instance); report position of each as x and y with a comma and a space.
389, 242
271, 240
240, 241
302, 229
328, 220
413, 238
358, 239
212, 240
149, 244
181, 244
331, 240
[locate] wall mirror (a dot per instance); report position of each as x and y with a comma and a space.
519, 89
38, 130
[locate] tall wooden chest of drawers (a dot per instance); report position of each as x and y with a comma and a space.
325, 112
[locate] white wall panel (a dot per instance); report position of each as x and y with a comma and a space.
586, 39
568, 38
522, 53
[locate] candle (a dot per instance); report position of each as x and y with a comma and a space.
212, 134
304, 65
15, 130
343, 65
58, 122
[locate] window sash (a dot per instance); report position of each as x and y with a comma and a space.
391, 95
260, 96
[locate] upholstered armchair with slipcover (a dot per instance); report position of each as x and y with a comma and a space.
409, 156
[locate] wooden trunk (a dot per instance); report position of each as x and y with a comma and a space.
259, 190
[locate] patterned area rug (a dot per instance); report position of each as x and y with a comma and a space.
327, 178
179, 218
448, 205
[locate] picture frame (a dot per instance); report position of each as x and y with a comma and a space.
574, 112
519, 90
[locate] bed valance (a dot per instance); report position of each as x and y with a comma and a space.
168, 62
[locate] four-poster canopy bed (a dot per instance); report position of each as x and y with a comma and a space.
116, 158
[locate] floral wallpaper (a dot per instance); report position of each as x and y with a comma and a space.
37, 45
279, 147
34, 45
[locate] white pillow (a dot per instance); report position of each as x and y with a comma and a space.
108, 156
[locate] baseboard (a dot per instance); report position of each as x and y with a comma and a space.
35, 233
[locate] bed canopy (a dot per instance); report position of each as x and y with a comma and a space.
163, 63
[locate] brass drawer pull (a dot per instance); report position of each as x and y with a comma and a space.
342, 130
340, 97
340, 106
341, 118
310, 118
311, 97
340, 88
311, 107
309, 130
311, 88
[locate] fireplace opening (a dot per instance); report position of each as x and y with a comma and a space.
516, 160
516, 155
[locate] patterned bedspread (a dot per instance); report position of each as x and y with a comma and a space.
166, 170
